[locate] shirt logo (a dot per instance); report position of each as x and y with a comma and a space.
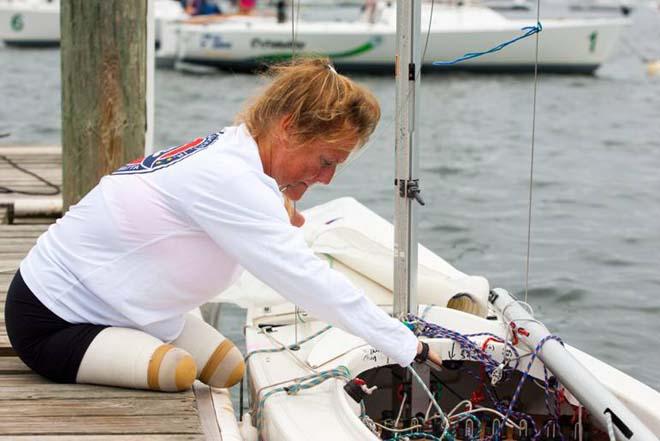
165, 158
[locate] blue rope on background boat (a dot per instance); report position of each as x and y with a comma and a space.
530, 30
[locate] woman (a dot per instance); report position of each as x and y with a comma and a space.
104, 295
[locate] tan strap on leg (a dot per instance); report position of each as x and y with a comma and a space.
215, 359
221, 362
154, 366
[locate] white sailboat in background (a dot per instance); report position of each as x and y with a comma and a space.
33, 23
310, 381
30, 22
577, 45
247, 41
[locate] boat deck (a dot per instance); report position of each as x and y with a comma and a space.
32, 407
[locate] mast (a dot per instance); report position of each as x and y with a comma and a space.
408, 66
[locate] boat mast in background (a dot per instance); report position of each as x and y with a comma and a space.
408, 68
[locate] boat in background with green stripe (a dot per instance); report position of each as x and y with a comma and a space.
246, 42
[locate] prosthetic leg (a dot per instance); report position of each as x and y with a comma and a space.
130, 358
220, 363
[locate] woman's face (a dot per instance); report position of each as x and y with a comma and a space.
298, 167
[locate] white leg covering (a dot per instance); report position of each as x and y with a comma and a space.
220, 362
130, 358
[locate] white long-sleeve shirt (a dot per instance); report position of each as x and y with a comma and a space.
162, 235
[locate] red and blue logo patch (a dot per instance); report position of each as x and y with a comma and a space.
165, 158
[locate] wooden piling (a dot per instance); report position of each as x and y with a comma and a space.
104, 89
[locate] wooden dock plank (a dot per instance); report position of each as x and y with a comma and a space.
207, 412
127, 406
13, 365
35, 387
115, 424
45, 161
13, 243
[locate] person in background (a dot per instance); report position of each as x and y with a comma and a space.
281, 11
245, 7
104, 296
200, 7
369, 9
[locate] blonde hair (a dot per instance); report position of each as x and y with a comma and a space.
320, 103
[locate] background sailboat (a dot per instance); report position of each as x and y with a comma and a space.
246, 42
31, 23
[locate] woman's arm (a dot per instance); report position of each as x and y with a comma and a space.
244, 215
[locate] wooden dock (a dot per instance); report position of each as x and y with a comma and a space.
33, 408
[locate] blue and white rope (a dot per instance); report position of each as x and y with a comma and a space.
299, 384
529, 31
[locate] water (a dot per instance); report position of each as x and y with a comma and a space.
594, 271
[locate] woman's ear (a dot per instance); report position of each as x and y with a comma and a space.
286, 122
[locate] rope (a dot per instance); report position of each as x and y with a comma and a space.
474, 432
435, 403
414, 435
505, 410
531, 163
290, 351
516, 394
283, 348
431, 330
301, 383
529, 31
428, 34
7, 190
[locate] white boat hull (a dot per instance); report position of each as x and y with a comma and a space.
329, 414
246, 42
30, 23
37, 22
325, 411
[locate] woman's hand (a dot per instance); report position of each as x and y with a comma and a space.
297, 219
424, 353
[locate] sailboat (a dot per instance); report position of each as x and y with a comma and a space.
36, 23
289, 353
570, 45
504, 375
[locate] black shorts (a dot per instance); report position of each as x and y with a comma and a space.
46, 343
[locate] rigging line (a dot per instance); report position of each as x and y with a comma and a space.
56, 188
293, 29
294, 19
297, 19
531, 164
289, 351
426, 43
529, 31
387, 126
433, 400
